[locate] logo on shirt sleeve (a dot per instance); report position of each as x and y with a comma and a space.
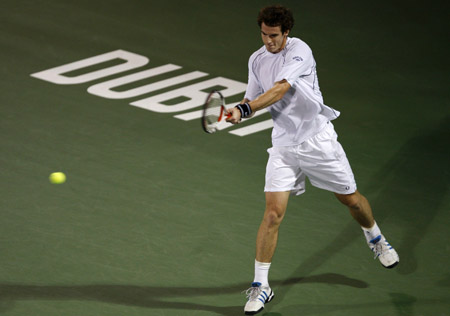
297, 58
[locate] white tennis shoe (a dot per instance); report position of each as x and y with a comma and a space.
257, 296
384, 252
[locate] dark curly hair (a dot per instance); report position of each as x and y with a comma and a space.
276, 15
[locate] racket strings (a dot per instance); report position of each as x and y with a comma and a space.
214, 110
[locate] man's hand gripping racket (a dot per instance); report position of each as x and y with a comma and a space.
215, 113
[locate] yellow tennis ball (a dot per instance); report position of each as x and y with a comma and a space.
57, 178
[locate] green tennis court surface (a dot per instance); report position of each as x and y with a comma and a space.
159, 218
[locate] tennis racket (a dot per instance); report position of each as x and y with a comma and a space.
213, 112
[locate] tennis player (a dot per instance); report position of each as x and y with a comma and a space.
282, 78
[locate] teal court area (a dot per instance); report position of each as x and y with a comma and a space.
152, 219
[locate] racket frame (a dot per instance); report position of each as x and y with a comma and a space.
205, 109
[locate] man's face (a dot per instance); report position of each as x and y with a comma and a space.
272, 38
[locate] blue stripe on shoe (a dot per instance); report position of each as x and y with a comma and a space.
375, 240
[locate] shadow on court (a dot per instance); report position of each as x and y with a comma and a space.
413, 185
151, 297
403, 305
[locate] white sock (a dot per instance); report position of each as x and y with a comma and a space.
371, 233
262, 273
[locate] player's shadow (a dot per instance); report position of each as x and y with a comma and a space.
152, 297
402, 303
413, 187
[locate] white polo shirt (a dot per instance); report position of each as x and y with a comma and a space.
301, 113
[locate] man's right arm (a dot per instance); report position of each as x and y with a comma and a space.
266, 99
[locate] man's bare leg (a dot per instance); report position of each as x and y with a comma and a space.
362, 212
359, 208
266, 241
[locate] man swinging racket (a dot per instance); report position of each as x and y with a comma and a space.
283, 79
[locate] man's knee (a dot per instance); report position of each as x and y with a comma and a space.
352, 201
276, 204
274, 214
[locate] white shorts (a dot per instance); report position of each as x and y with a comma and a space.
321, 158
